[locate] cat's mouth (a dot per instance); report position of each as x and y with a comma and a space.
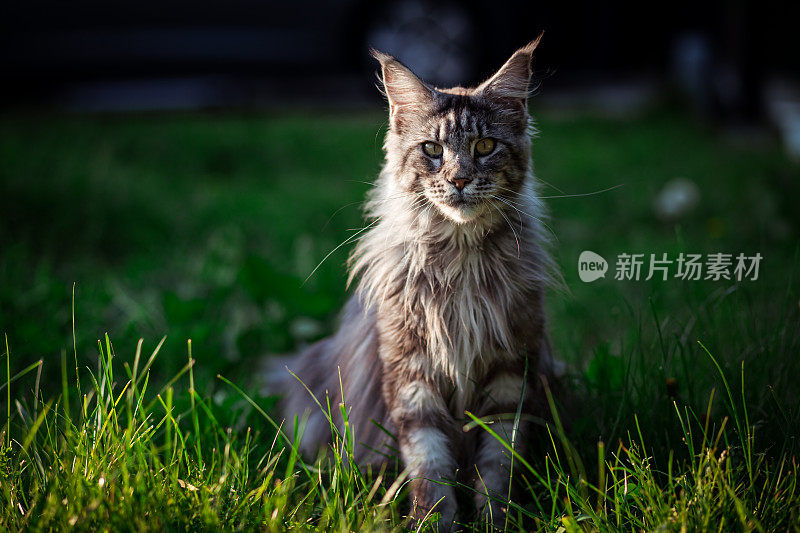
460, 200
460, 208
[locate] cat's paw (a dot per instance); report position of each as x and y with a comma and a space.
490, 512
439, 515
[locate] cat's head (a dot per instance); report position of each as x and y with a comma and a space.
465, 151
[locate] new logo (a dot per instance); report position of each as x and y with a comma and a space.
591, 266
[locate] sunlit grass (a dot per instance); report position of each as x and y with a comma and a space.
115, 454
110, 452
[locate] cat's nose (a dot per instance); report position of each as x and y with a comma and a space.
460, 183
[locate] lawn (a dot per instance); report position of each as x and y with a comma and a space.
683, 405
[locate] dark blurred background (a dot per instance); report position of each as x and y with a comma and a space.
726, 57
189, 164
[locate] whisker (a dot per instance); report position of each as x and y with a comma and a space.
416, 204
578, 195
339, 211
425, 212
549, 185
346, 241
410, 226
583, 194
382, 200
510, 225
509, 199
542, 222
509, 205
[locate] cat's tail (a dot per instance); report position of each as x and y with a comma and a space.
302, 381
342, 369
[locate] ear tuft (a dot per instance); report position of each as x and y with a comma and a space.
382, 57
404, 90
512, 80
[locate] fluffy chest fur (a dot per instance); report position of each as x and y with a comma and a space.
454, 297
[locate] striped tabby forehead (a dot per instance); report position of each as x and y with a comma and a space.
453, 118
449, 124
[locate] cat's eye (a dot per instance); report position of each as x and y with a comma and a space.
432, 149
485, 146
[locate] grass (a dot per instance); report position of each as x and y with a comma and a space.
683, 408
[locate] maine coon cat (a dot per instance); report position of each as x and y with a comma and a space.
447, 314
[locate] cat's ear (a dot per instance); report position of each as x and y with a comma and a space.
511, 82
404, 90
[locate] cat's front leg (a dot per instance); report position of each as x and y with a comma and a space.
425, 432
493, 461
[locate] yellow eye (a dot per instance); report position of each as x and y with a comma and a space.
432, 149
484, 146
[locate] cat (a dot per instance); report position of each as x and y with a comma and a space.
447, 314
